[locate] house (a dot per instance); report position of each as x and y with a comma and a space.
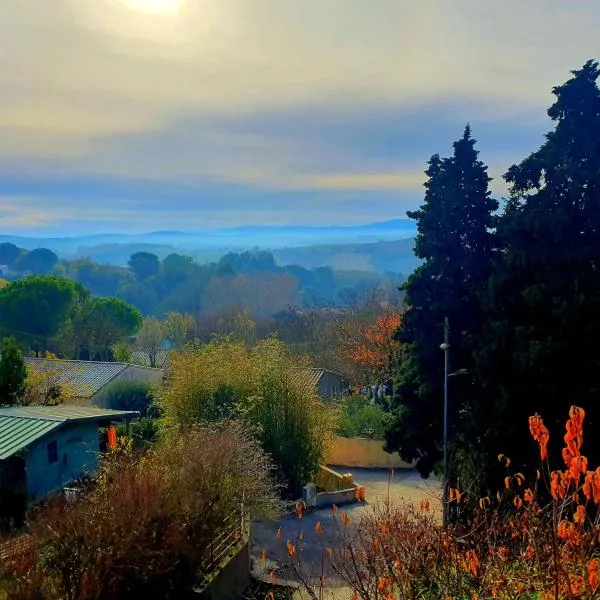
329, 384
43, 448
87, 383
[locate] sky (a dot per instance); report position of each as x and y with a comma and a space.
144, 115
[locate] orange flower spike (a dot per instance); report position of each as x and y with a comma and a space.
540, 434
528, 496
425, 505
593, 574
579, 516
279, 533
507, 483
329, 552
452, 495
299, 509
319, 528
383, 583
472, 562
354, 595
458, 495
587, 485
596, 486
345, 519
530, 553
291, 548
555, 485
397, 564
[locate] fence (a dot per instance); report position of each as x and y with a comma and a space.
231, 539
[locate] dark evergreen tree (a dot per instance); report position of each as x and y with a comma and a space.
541, 352
456, 244
13, 373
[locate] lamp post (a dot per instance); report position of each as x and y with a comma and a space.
446, 349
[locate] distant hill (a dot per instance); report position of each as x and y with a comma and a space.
382, 257
378, 247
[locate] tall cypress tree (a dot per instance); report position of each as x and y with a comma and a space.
542, 348
456, 244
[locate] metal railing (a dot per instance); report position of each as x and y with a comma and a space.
232, 536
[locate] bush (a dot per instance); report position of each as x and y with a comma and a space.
261, 385
144, 529
131, 395
360, 418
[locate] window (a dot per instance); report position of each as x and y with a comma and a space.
52, 452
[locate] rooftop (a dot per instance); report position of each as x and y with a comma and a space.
20, 426
83, 378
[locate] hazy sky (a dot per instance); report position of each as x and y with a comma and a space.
170, 114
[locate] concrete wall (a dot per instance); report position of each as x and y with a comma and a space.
78, 449
331, 481
363, 453
231, 581
133, 373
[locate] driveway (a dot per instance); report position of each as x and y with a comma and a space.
381, 485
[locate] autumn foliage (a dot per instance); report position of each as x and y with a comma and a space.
373, 345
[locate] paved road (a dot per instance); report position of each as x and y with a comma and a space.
381, 485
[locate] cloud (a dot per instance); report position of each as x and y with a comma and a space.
251, 99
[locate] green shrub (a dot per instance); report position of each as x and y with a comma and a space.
360, 418
131, 395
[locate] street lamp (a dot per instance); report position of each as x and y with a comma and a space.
445, 347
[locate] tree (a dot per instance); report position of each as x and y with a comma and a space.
179, 328
13, 373
8, 253
373, 347
40, 261
36, 307
144, 265
541, 353
456, 245
150, 338
100, 323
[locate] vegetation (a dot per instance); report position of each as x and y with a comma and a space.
537, 538
264, 386
13, 373
360, 418
520, 292
144, 527
130, 395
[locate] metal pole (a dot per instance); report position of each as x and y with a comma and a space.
446, 350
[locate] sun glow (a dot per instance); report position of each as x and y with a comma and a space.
156, 7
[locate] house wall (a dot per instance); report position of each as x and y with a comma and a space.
133, 373
78, 449
331, 386
364, 453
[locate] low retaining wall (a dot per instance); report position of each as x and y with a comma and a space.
231, 580
363, 453
331, 481
339, 489
353, 494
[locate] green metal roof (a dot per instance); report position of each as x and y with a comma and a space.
20, 426
16, 434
